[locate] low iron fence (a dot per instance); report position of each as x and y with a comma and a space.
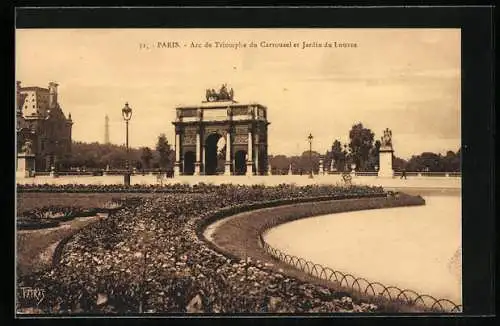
429, 174
361, 285
169, 174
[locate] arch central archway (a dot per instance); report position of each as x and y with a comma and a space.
214, 154
240, 166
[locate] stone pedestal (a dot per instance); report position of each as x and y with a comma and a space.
321, 169
227, 168
385, 162
197, 168
177, 168
269, 169
126, 179
25, 164
53, 173
249, 168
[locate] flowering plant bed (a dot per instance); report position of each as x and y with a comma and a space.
79, 188
50, 216
147, 257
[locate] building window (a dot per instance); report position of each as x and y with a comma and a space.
33, 106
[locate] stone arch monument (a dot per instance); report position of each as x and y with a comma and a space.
221, 136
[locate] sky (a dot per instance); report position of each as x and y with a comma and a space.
407, 80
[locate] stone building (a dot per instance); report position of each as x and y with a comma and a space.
41, 123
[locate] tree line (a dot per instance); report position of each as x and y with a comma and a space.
94, 155
362, 152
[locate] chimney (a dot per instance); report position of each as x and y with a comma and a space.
53, 94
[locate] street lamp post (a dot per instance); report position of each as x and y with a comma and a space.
310, 155
127, 115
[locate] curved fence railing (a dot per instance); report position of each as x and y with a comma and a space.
361, 285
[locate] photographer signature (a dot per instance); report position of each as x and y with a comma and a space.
30, 293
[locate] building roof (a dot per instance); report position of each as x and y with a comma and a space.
33, 88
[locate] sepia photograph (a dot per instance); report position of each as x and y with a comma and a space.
205, 171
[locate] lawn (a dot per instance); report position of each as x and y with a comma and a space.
35, 248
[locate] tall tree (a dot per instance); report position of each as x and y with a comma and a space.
373, 158
347, 158
163, 149
337, 155
146, 157
452, 161
361, 143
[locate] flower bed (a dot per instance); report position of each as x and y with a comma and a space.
51, 216
81, 188
147, 257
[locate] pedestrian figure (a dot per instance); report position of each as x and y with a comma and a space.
403, 174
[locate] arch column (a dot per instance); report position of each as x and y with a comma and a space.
250, 152
198, 150
257, 150
177, 165
203, 162
227, 165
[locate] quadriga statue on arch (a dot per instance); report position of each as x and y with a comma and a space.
223, 95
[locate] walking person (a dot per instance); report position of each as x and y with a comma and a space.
403, 173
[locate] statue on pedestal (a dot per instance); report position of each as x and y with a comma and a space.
27, 147
332, 165
386, 140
